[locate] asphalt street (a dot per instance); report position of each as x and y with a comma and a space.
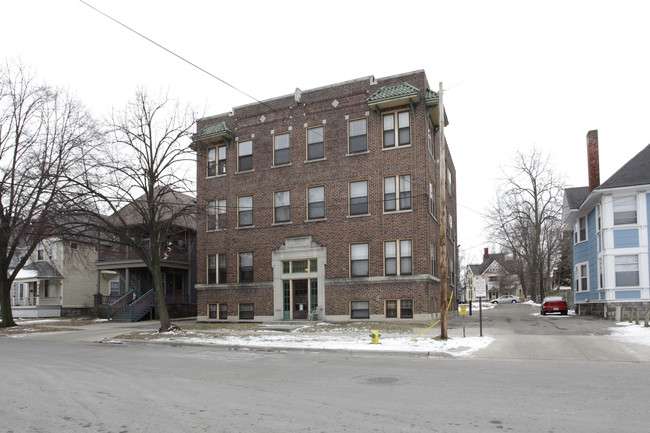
67, 382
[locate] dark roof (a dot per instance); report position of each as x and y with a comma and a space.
395, 91
635, 172
214, 130
43, 270
479, 269
575, 196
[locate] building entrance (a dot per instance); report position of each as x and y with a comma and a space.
300, 299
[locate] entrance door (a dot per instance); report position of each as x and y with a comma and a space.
300, 299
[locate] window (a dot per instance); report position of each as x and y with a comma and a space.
430, 140
432, 254
212, 161
221, 164
217, 269
406, 309
601, 283
450, 184
598, 218
246, 311
315, 143
627, 271
359, 260
432, 199
359, 310
398, 258
581, 230
390, 196
245, 155
299, 266
282, 206
396, 124
359, 197
218, 311
221, 214
40, 252
245, 209
281, 149
315, 202
211, 213
358, 135
581, 276
391, 308
625, 210
245, 267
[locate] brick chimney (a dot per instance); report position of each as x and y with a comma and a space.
592, 159
485, 253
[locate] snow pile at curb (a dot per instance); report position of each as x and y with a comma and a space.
631, 333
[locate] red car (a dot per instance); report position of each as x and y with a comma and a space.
554, 304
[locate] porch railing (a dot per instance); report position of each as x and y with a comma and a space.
33, 300
142, 305
123, 301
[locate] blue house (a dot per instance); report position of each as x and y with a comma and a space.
609, 225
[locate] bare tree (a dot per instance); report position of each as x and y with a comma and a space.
133, 192
43, 138
524, 218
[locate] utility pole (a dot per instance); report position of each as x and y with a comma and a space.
444, 223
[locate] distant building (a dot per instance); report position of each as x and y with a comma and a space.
609, 224
58, 280
498, 280
325, 203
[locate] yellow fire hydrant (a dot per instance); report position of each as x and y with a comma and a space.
375, 337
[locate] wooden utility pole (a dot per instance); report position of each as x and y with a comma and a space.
444, 223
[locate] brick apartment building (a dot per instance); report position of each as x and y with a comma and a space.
324, 203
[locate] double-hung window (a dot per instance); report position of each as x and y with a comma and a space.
398, 257
582, 277
245, 267
625, 210
315, 143
359, 197
359, 260
245, 155
391, 200
358, 135
221, 159
281, 149
396, 125
432, 254
627, 271
315, 202
360, 310
282, 206
211, 213
217, 269
432, 199
245, 211
212, 161
246, 311
581, 230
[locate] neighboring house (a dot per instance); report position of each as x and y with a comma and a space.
498, 281
58, 280
609, 223
127, 276
325, 203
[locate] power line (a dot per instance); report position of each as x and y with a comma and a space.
177, 55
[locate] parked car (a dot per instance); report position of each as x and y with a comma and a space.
506, 299
554, 304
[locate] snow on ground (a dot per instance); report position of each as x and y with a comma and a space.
456, 346
631, 333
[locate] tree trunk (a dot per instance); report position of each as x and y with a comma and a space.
5, 303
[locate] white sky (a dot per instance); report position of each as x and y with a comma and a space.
517, 74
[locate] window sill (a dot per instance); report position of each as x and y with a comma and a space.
403, 146
389, 212
215, 230
365, 152
245, 171
282, 223
245, 227
309, 161
215, 176
359, 216
288, 164
315, 220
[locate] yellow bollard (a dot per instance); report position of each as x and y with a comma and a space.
375, 337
